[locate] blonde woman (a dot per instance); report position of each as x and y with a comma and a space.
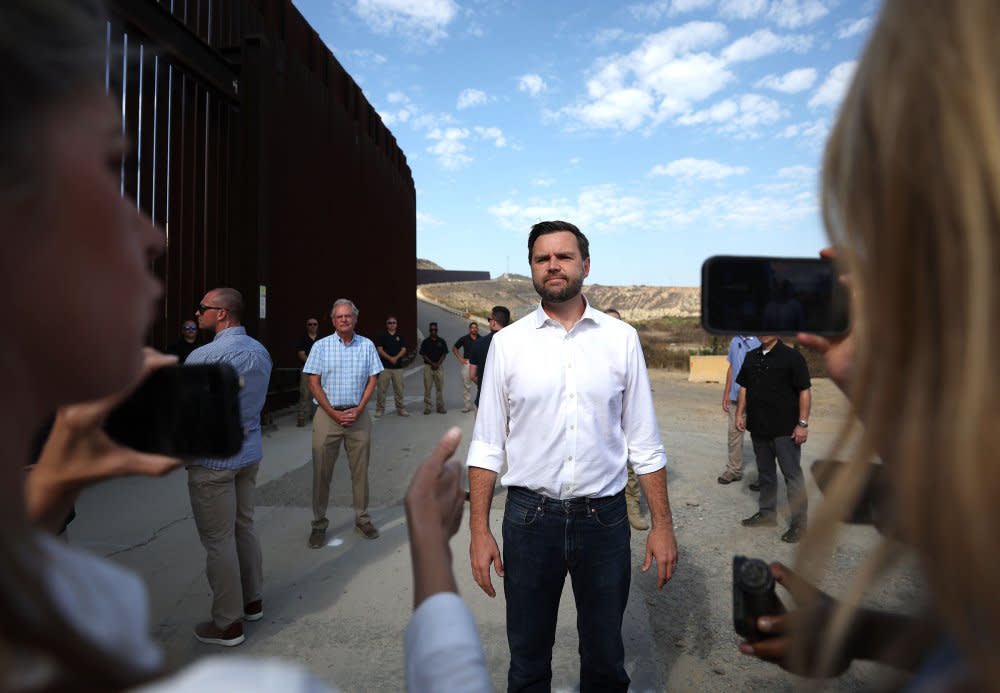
911, 198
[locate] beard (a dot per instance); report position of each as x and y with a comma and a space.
570, 291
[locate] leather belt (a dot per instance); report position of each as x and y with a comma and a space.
345, 407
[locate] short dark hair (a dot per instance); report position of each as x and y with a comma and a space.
473, 323
232, 301
544, 227
501, 314
433, 324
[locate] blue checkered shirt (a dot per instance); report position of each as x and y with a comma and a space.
253, 363
343, 369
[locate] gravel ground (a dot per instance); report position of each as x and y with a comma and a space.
691, 619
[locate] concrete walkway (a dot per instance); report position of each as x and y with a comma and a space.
340, 610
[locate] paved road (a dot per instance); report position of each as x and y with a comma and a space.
342, 609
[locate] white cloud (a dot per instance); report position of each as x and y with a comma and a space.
397, 97
853, 28
368, 58
697, 169
791, 82
761, 43
832, 91
670, 73
653, 11
663, 77
814, 130
429, 221
597, 209
544, 182
798, 172
743, 210
792, 14
532, 84
741, 9
471, 97
741, 116
493, 134
449, 147
425, 20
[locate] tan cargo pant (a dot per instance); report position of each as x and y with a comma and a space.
433, 378
326, 439
395, 376
735, 463
222, 502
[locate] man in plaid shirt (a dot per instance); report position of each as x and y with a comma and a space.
343, 369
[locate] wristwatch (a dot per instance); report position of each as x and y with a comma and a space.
803, 423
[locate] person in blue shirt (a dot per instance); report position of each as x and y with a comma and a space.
739, 346
222, 490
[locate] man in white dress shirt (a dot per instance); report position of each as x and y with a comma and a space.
566, 405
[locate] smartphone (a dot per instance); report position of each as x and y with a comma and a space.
869, 508
772, 295
182, 411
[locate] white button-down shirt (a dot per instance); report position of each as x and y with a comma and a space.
566, 409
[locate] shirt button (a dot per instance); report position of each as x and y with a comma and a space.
570, 458
571, 427
571, 395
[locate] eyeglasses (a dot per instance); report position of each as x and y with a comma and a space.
202, 308
190, 329
312, 324
390, 322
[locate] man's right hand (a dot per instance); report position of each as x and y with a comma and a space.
741, 423
484, 552
725, 403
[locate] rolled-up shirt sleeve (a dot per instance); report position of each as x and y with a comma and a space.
442, 648
642, 432
489, 437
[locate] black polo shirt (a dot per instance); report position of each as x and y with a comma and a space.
305, 343
480, 350
773, 382
433, 348
392, 344
466, 343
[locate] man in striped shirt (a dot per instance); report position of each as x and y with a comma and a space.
343, 369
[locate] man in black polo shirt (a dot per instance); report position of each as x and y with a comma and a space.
466, 343
434, 350
499, 319
775, 395
306, 407
391, 349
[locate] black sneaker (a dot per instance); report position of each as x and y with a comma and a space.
210, 634
759, 519
793, 535
754, 486
254, 611
317, 538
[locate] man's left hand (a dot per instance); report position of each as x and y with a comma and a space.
799, 435
661, 545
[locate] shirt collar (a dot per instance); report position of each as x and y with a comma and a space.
540, 317
229, 331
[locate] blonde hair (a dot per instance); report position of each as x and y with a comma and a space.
911, 198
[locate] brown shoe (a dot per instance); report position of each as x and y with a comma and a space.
210, 634
728, 477
442, 411
367, 530
402, 412
317, 538
254, 611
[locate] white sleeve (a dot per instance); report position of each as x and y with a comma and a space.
489, 434
442, 648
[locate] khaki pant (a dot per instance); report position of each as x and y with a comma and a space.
396, 376
735, 463
433, 378
327, 435
306, 406
633, 491
463, 368
222, 504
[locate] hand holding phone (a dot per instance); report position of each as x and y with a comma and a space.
78, 453
182, 411
753, 596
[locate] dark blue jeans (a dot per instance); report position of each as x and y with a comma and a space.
543, 539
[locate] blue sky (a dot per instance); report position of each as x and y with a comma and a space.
667, 130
